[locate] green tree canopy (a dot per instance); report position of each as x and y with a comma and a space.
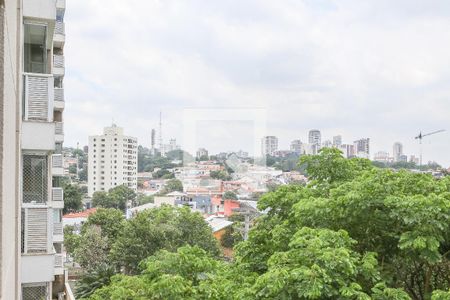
162, 228
172, 185
72, 198
229, 195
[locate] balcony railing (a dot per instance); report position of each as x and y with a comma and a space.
59, 28
58, 61
59, 260
59, 128
57, 194
57, 228
57, 161
38, 97
59, 94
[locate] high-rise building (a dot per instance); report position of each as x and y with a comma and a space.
314, 137
327, 144
32, 105
112, 160
202, 153
397, 151
362, 148
348, 150
296, 146
269, 144
337, 141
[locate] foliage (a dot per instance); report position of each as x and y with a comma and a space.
144, 199
72, 198
92, 249
117, 197
93, 280
354, 232
162, 228
71, 239
190, 273
229, 195
172, 185
110, 221
220, 174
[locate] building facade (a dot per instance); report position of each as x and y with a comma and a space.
337, 141
112, 160
314, 137
269, 144
397, 151
362, 148
296, 146
32, 106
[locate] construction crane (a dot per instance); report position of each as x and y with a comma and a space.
421, 136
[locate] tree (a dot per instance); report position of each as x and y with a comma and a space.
93, 280
72, 198
189, 273
162, 228
122, 195
220, 174
229, 195
73, 169
110, 222
144, 199
172, 185
117, 197
92, 249
71, 240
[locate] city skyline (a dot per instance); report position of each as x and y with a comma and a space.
371, 69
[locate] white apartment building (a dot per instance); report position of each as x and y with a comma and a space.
112, 160
32, 104
269, 144
296, 146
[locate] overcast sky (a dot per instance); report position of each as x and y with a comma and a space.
378, 69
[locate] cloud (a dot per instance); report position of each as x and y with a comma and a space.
377, 69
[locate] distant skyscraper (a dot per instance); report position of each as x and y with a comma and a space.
269, 144
362, 148
327, 144
337, 141
347, 150
296, 146
202, 152
397, 151
314, 137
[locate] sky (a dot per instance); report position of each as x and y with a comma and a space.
377, 69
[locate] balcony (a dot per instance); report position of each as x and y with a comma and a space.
59, 132
57, 165
59, 37
58, 236
58, 64
59, 99
57, 197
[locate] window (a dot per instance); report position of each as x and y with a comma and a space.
35, 179
35, 48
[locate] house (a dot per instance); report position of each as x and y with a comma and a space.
78, 218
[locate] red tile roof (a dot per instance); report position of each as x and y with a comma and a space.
81, 214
